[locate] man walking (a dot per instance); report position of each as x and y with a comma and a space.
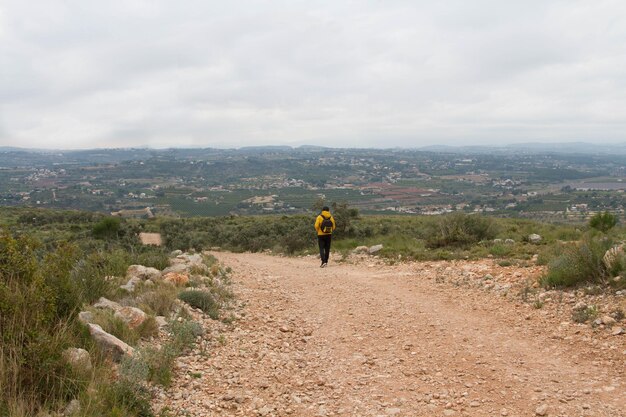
324, 225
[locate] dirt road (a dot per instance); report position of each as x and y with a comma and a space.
376, 340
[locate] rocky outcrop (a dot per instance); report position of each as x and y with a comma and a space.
113, 347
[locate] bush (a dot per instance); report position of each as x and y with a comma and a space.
603, 221
160, 301
107, 228
460, 229
577, 264
202, 300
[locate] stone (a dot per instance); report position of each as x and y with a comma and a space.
617, 331
72, 408
176, 253
176, 278
161, 321
85, 317
497, 241
534, 238
142, 272
608, 320
109, 344
375, 249
361, 249
132, 316
179, 268
542, 410
78, 359
509, 241
107, 304
475, 404
131, 284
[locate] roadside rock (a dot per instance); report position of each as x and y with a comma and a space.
106, 304
110, 345
78, 359
131, 316
130, 285
85, 317
542, 410
72, 408
178, 279
375, 249
143, 273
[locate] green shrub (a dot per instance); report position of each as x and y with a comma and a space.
161, 301
500, 250
107, 228
202, 300
584, 315
460, 229
577, 265
603, 221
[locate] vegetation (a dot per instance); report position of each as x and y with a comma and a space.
53, 263
49, 271
603, 221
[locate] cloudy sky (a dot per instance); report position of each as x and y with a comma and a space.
122, 73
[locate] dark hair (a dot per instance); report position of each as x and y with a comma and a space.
325, 208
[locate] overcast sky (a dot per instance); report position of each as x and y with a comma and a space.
214, 73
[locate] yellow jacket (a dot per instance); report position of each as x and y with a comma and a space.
320, 219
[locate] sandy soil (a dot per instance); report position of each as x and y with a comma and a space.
377, 340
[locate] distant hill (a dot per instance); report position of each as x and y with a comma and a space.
534, 147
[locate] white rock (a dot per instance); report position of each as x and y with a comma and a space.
85, 317
608, 320
542, 410
142, 272
109, 344
617, 331
360, 249
534, 238
375, 249
72, 408
78, 359
105, 303
132, 316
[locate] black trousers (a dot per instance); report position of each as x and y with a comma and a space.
324, 243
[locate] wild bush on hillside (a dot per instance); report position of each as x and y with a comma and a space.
460, 229
32, 335
107, 228
202, 300
577, 264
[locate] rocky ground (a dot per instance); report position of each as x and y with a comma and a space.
362, 338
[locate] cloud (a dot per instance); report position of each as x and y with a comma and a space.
399, 73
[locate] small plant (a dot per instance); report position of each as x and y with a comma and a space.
584, 315
161, 301
618, 314
202, 300
505, 263
538, 304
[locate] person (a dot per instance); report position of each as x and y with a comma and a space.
324, 225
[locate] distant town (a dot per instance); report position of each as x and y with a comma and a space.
549, 185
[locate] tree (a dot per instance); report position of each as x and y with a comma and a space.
603, 221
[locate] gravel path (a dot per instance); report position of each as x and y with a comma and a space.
377, 340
